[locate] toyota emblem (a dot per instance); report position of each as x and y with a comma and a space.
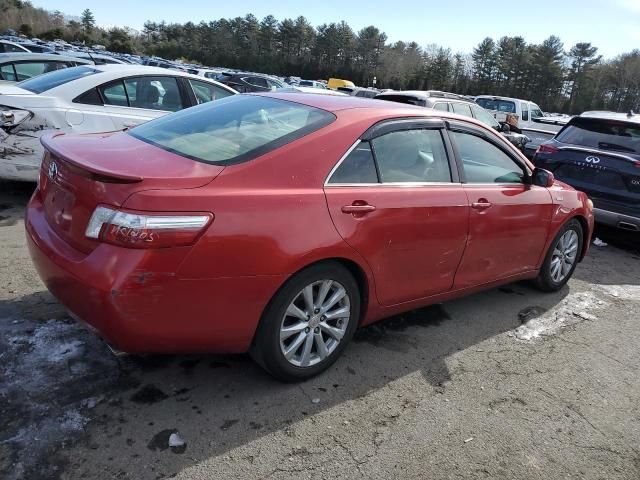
53, 171
592, 160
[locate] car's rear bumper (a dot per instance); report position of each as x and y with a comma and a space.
140, 310
618, 220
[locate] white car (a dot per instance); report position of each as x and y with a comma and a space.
89, 99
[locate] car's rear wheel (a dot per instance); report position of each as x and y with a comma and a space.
562, 258
308, 323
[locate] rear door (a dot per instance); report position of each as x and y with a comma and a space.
396, 200
509, 218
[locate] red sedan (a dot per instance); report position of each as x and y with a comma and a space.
279, 223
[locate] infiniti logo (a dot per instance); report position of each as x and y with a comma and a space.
53, 171
592, 160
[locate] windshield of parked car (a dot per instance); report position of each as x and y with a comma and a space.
45, 82
232, 129
602, 134
497, 105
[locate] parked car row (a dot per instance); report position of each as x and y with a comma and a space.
89, 98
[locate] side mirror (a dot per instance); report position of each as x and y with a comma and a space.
542, 178
505, 128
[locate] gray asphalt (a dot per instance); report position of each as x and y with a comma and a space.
506, 384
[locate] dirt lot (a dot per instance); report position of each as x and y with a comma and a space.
508, 384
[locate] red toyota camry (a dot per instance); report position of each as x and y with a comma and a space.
279, 223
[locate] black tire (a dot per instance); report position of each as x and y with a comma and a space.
266, 349
545, 280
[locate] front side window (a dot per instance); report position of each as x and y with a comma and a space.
358, 167
234, 129
45, 82
484, 162
414, 156
536, 112
205, 92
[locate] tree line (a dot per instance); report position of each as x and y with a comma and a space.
559, 78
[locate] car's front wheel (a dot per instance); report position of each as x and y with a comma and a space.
308, 323
562, 258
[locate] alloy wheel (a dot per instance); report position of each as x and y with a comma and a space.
564, 255
314, 323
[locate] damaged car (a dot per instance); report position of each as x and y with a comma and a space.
86, 99
279, 223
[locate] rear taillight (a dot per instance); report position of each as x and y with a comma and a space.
544, 148
148, 230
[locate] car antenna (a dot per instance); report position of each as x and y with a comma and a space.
91, 57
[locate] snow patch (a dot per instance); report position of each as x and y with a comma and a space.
574, 308
623, 292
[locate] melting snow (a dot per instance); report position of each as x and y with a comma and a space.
574, 308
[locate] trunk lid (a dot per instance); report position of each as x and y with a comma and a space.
79, 172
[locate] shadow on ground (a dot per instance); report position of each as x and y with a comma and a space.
61, 387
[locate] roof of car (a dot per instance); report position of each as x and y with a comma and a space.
424, 94
335, 103
625, 117
498, 97
39, 57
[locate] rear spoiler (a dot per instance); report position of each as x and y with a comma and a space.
105, 174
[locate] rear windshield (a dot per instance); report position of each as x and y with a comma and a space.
45, 82
497, 105
233, 129
602, 134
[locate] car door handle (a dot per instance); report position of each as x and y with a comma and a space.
481, 204
355, 209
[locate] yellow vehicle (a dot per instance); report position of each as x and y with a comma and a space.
336, 82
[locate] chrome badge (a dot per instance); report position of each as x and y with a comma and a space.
592, 160
53, 171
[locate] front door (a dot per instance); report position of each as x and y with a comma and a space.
509, 218
395, 201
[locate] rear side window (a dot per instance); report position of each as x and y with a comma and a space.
151, 93
602, 134
358, 167
485, 117
444, 107
45, 82
234, 129
412, 156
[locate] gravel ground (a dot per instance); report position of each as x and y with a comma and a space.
507, 384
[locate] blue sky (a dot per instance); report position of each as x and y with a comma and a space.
611, 25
